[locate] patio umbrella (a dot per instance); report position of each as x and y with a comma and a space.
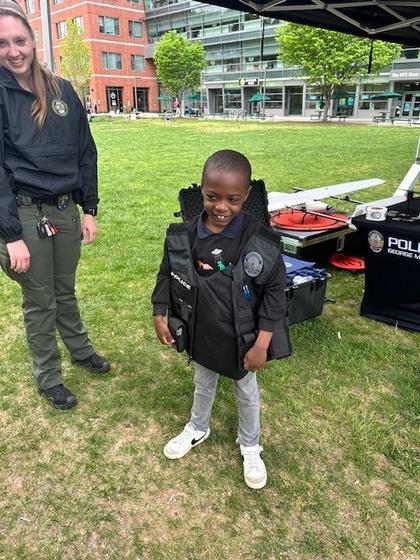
164, 98
384, 95
194, 97
259, 97
397, 21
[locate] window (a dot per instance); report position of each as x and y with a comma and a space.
61, 27
112, 61
410, 53
57, 1
135, 1
30, 6
137, 62
233, 98
79, 22
314, 99
36, 37
109, 25
135, 29
365, 102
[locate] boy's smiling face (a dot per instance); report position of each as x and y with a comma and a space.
224, 193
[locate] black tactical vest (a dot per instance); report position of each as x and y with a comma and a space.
220, 313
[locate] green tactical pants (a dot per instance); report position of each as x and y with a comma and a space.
48, 290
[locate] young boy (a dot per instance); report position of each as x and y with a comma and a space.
222, 282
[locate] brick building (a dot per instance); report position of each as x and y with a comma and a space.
116, 34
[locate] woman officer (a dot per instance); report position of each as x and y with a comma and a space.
48, 164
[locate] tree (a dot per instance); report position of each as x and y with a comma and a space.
179, 64
75, 59
330, 59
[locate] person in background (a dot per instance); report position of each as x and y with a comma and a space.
222, 282
48, 164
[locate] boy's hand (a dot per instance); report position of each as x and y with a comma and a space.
256, 356
162, 331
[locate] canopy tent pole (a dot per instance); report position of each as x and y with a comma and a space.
370, 57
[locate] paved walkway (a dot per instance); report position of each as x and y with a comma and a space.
292, 118
300, 119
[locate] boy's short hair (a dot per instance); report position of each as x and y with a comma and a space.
230, 161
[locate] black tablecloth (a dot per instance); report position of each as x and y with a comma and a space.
392, 258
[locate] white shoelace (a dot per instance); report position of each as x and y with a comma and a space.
252, 457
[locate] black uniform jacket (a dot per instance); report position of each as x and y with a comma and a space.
59, 159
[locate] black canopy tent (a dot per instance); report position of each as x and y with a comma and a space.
396, 21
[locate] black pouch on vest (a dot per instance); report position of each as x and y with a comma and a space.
178, 330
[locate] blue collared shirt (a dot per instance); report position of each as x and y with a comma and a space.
230, 231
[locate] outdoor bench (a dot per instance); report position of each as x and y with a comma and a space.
340, 118
408, 120
379, 118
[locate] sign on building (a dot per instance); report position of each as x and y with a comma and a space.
249, 81
409, 74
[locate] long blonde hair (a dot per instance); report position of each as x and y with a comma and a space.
43, 81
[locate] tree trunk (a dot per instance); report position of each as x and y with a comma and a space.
327, 97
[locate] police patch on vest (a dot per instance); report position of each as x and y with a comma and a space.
376, 241
253, 264
180, 280
60, 107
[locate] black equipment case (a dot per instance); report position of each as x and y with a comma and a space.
191, 203
304, 301
306, 298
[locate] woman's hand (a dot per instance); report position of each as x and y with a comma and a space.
20, 259
89, 229
162, 331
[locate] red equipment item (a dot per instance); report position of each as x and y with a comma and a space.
347, 262
308, 221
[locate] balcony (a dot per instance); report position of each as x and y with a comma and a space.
221, 73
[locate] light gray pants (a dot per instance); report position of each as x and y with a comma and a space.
247, 402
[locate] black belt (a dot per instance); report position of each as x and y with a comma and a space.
61, 201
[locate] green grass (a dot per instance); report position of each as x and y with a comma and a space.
339, 418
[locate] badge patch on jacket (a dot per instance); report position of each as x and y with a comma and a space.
60, 107
253, 264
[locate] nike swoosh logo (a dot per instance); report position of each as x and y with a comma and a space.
194, 441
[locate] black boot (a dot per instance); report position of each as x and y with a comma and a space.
94, 363
59, 397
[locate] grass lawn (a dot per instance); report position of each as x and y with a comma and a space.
339, 418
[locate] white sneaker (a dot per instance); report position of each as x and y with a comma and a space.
179, 446
255, 473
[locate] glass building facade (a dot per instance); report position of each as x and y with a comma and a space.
242, 61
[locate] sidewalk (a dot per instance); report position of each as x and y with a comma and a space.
300, 119
271, 119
